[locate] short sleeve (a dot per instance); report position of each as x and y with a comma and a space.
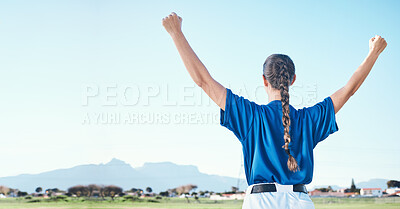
238, 115
323, 120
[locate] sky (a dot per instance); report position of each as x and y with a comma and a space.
84, 81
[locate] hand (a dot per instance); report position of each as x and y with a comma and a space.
172, 23
377, 44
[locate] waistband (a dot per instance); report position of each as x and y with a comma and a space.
279, 187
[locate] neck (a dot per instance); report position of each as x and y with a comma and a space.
274, 94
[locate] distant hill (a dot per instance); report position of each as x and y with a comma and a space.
158, 176
372, 183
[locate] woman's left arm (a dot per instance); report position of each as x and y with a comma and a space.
194, 66
376, 45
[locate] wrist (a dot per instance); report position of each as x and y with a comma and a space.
176, 34
373, 53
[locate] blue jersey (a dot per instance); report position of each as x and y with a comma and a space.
259, 129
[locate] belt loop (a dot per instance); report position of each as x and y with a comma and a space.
283, 188
249, 188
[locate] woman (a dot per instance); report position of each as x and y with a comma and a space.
277, 140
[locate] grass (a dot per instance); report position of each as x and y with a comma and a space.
356, 203
320, 203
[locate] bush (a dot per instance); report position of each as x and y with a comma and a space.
61, 197
131, 198
28, 197
164, 194
155, 201
22, 194
31, 201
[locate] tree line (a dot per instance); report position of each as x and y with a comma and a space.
95, 190
353, 188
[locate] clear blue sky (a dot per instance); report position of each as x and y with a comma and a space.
51, 51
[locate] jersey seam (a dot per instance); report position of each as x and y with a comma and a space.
251, 126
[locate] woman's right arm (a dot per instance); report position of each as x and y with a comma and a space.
376, 45
194, 66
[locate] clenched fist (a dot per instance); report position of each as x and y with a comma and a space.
377, 44
172, 23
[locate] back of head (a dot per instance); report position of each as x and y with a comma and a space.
279, 71
276, 66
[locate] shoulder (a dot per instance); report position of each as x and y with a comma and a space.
320, 110
235, 98
326, 102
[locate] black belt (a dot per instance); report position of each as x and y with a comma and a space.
272, 188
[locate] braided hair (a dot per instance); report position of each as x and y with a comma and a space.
279, 72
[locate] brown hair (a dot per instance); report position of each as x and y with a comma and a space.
279, 72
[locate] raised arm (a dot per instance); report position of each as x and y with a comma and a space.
376, 45
194, 66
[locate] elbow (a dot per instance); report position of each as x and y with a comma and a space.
199, 83
353, 91
203, 82
350, 90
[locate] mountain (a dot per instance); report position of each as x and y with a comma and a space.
159, 176
373, 183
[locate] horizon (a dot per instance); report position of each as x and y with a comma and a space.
83, 82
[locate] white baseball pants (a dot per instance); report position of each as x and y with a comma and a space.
283, 198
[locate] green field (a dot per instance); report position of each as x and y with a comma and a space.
320, 203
